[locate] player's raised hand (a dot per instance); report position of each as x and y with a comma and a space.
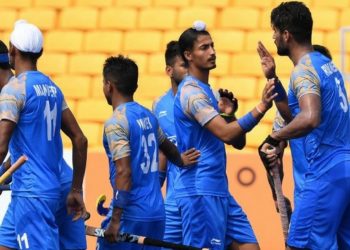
75, 204
190, 157
228, 104
269, 94
267, 62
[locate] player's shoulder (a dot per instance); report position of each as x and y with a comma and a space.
306, 67
15, 85
164, 99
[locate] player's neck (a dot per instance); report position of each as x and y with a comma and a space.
23, 66
5, 76
174, 86
120, 99
298, 52
200, 74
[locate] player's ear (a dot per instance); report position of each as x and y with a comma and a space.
169, 70
107, 85
12, 50
286, 35
188, 55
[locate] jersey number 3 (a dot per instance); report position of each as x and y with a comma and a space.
343, 102
150, 162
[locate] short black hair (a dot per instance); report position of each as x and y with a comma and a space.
323, 50
294, 17
187, 39
172, 51
33, 57
4, 50
123, 73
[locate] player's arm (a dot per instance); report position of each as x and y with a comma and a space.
306, 87
171, 152
228, 132
117, 134
162, 167
269, 70
6, 129
308, 119
121, 196
71, 128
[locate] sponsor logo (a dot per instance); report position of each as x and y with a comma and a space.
162, 113
99, 232
215, 242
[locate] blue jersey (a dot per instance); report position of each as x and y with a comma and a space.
163, 109
328, 144
35, 104
300, 164
66, 172
195, 105
133, 131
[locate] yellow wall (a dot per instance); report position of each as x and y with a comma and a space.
80, 34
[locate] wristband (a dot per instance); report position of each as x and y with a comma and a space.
162, 176
259, 111
121, 198
4, 58
247, 122
280, 91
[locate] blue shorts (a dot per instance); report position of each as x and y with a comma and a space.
321, 219
208, 221
71, 233
238, 226
151, 229
29, 223
173, 224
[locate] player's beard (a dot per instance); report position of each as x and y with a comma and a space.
282, 49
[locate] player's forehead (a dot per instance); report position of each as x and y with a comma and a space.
203, 40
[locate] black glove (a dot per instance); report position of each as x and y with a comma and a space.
229, 95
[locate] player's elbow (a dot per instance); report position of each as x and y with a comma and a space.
3, 151
124, 172
312, 120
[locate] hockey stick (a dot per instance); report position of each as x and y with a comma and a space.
101, 210
13, 168
142, 240
5, 188
281, 203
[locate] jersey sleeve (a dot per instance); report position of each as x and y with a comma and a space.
12, 100
196, 104
64, 105
305, 81
117, 134
278, 122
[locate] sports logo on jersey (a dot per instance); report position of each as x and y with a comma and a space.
172, 138
116, 195
162, 113
215, 242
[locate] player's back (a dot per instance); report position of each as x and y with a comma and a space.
194, 106
328, 143
35, 103
163, 109
140, 131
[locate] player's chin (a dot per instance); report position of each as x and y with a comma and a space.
212, 66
